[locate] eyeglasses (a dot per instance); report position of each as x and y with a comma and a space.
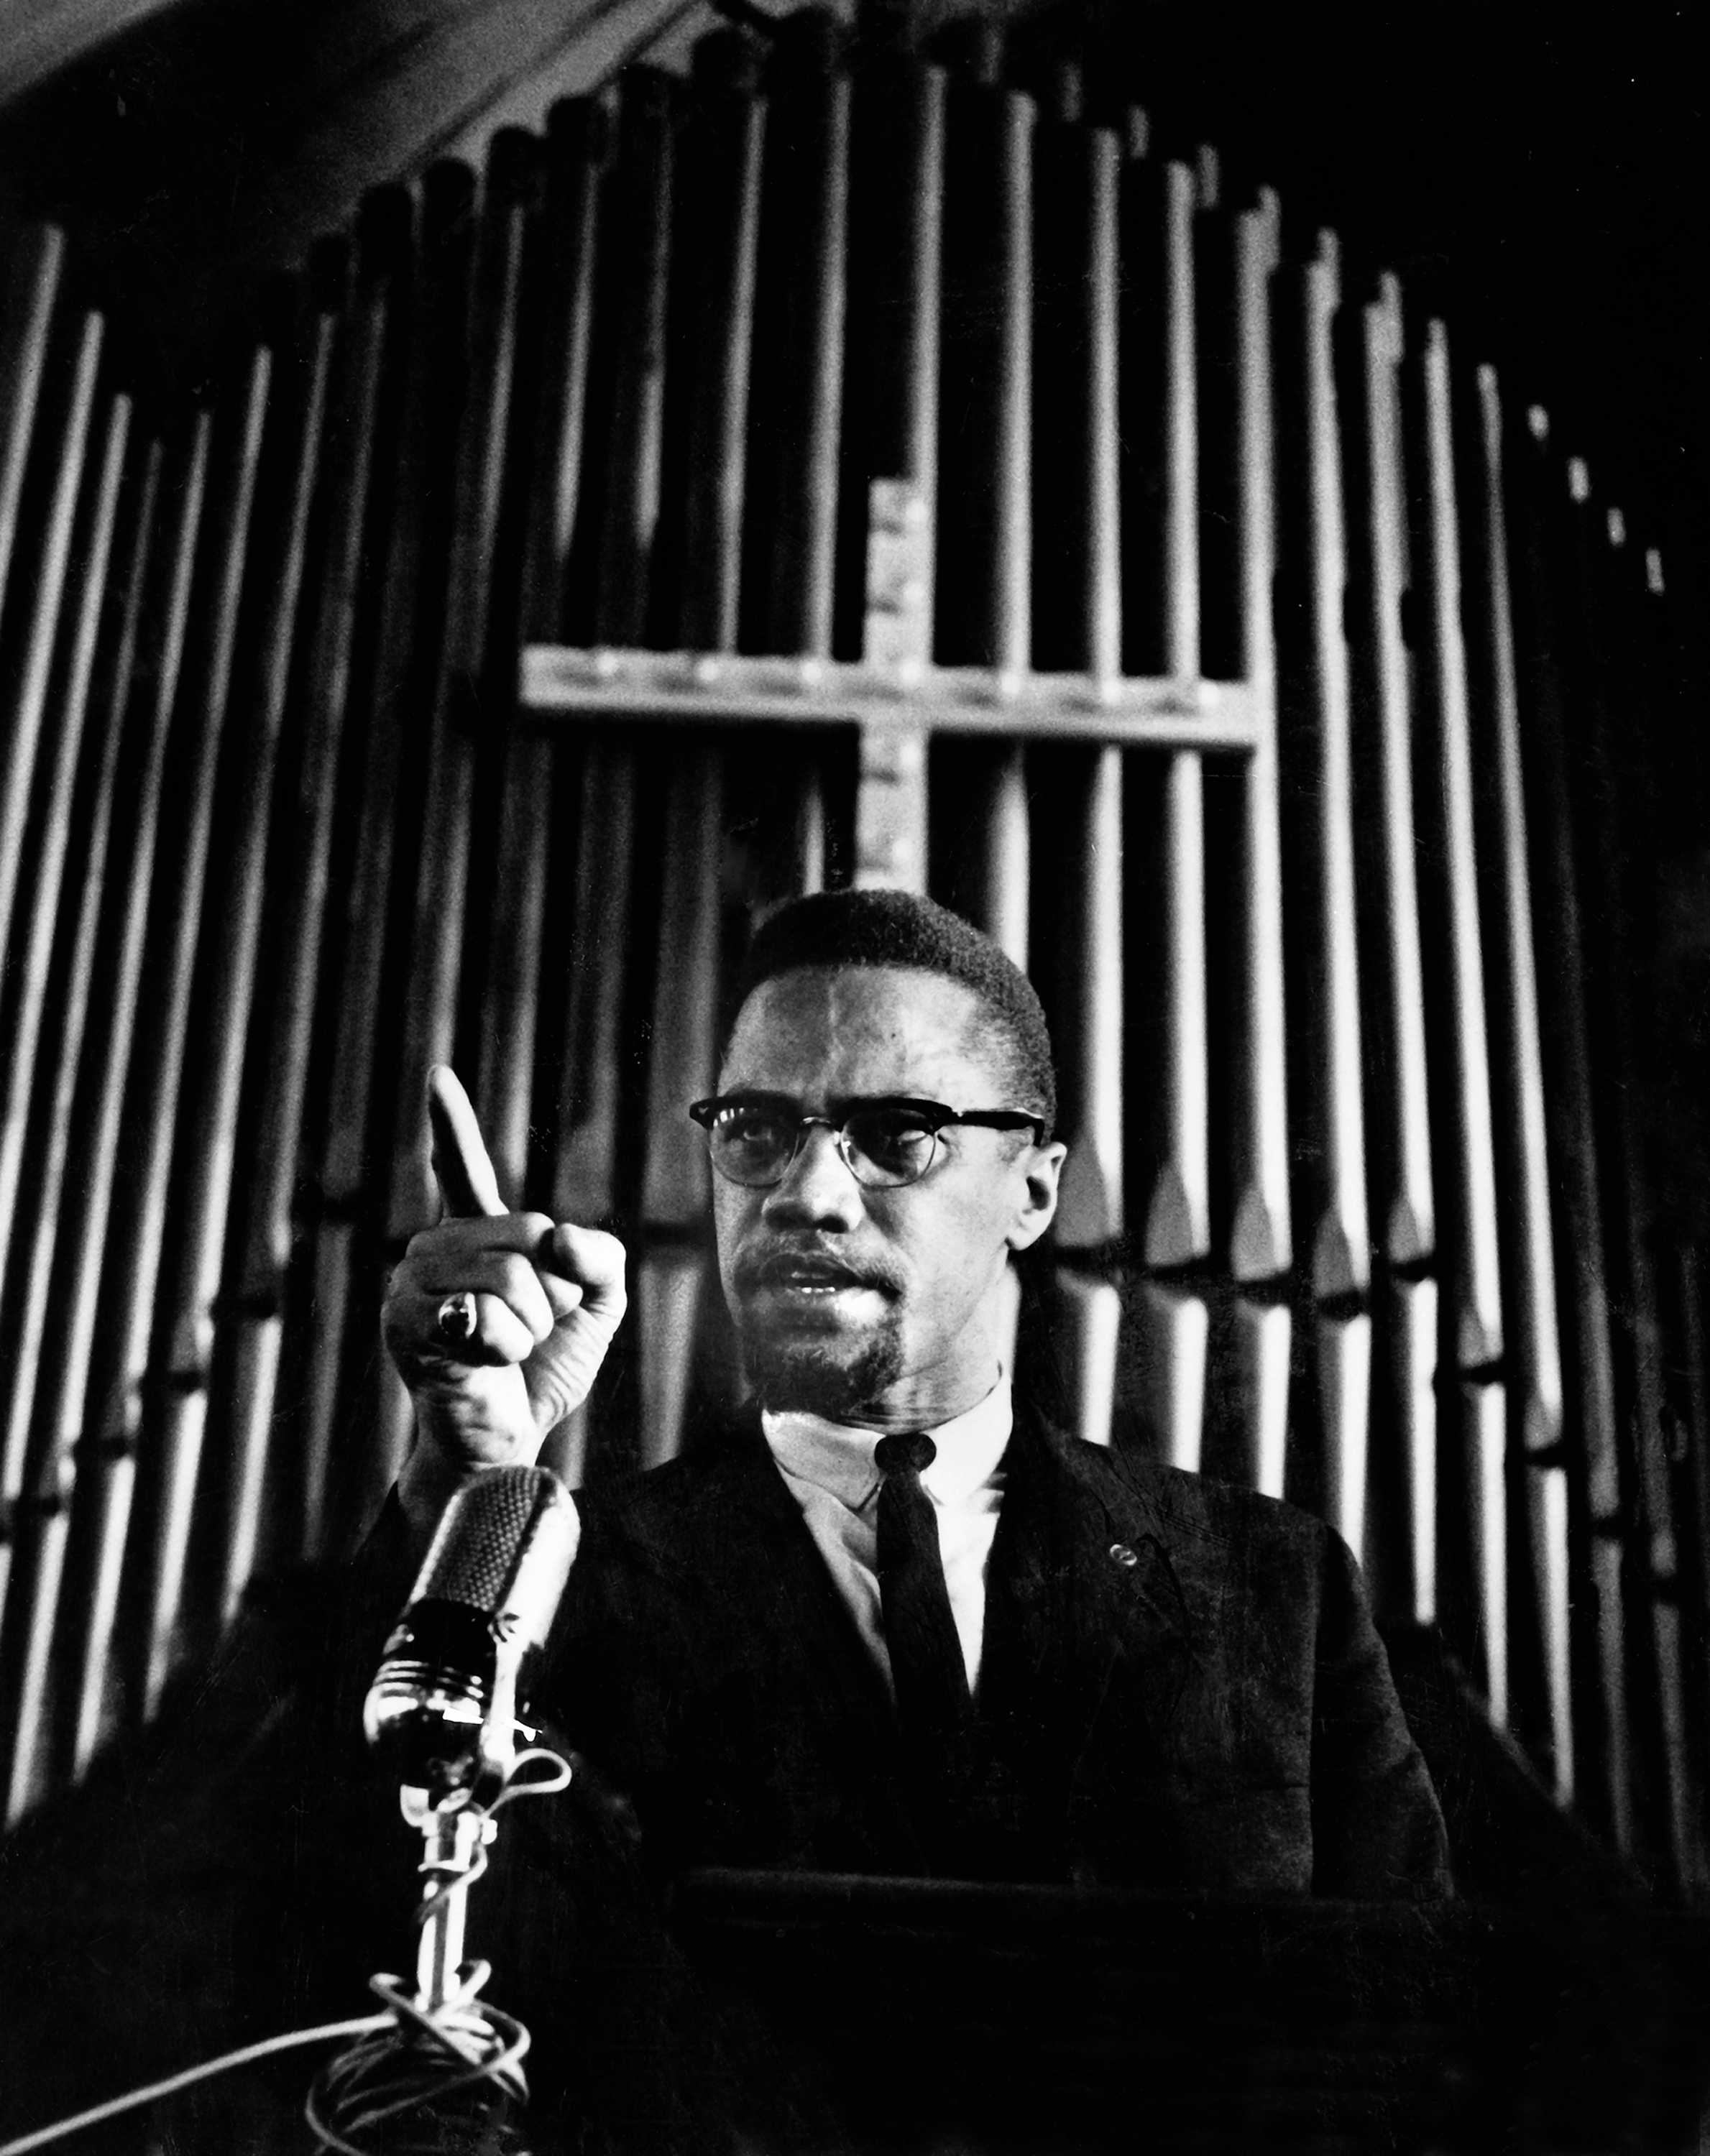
883, 1144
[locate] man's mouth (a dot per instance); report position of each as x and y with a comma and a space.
810, 1277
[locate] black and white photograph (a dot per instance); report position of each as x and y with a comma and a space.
855, 1078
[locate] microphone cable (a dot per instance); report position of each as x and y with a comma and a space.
41, 2135
413, 2059
403, 2059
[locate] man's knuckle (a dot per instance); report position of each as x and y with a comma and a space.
512, 1276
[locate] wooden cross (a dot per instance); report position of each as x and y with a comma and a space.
894, 695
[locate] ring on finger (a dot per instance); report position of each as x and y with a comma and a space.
456, 1322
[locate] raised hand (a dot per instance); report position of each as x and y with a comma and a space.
498, 1321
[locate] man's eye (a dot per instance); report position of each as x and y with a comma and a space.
890, 1138
750, 1130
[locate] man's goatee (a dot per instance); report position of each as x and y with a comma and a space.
807, 1377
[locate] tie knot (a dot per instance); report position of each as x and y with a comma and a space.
910, 1450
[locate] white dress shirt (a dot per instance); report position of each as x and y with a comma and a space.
830, 1472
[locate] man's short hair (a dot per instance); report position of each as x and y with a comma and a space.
899, 928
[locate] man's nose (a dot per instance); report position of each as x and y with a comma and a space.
817, 1187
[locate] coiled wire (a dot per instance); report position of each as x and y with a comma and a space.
463, 2054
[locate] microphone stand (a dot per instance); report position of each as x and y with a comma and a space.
454, 1834
456, 1831
497, 1563
446, 2044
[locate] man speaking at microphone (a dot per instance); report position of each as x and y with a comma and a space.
893, 1621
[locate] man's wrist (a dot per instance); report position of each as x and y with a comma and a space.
425, 1487
447, 1451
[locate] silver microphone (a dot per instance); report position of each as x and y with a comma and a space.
457, 1670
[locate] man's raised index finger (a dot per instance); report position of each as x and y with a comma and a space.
469, 1188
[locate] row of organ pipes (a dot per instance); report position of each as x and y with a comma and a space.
794, 476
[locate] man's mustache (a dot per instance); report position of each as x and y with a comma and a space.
769, 1264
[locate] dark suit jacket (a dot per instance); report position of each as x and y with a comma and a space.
1181, 1687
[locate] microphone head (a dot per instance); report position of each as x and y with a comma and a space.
474, 1627
504, 1545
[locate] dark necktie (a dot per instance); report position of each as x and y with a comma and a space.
933, 1709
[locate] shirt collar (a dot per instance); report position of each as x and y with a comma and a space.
838, 1458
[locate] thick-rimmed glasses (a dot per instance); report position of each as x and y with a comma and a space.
753, 1138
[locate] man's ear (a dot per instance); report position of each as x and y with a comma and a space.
1040, 1168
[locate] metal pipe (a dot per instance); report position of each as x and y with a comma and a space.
1380, 569
798, 406
1470, 1311
578, 150
668, 1288
486, 319
1466, 1165
1170, 1171
1480, 1415
590, 1075
111, 553
61, 437
1339, 1346
983, 613
1089, 1314
628, 392
204, 1165
1312, 572
64, 695
25, 329
1529, 1286
796, 411
349, 1201
1403, 1534
253, 1495
511, 813
718, 212
1171, 1327
120, 1399
1316, 774
683, 1036
479, 294
1260, 1235
1604, 1765
886, 565
70, 1412
559, 286
1249, 1358
1077, 614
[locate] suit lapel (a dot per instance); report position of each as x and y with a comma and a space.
1085, 1616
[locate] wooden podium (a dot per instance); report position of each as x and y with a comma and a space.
937, 2016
